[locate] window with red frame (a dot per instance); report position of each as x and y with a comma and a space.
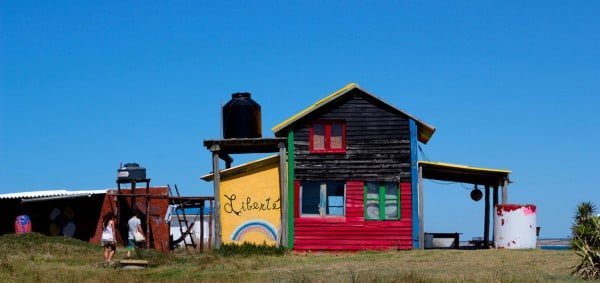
328, 137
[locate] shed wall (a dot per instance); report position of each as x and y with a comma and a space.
159, 236
251, 206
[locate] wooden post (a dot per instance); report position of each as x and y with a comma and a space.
210, 223
148, 232
494, 202
133, 206
421, 210
201, 247
217, 192
486, 220
505, 192
283, 193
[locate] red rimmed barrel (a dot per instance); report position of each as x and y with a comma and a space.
515, 226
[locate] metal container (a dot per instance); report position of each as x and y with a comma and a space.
241, 117
515, 226
131, 172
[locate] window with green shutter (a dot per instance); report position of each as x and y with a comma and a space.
382, 201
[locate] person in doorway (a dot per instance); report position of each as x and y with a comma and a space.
135, 227
109, 239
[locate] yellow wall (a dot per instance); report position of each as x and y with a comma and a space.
251, 206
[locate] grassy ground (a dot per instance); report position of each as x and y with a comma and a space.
36, 258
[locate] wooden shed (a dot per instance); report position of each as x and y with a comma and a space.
78, 214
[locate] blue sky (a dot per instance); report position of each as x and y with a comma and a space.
510, 85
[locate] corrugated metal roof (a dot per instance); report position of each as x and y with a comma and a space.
425, 131
49, 193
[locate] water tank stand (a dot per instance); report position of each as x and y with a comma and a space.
133, 195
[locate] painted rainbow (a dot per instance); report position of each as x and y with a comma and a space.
254, 226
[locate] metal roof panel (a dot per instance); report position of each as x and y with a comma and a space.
49, 193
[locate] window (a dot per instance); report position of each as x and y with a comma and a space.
382, 201
328, 137
322, 198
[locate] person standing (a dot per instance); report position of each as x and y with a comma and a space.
135, 226
109, 239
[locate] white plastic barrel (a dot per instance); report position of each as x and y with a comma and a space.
515, 226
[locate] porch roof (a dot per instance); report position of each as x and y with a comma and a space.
462, 173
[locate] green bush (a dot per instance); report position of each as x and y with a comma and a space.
586, 241
247, 249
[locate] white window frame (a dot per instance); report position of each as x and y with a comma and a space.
322, 208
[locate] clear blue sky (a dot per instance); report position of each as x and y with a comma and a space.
511, 85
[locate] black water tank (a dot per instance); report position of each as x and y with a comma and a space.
241, 117
131, 172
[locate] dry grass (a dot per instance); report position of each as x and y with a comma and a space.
35, 258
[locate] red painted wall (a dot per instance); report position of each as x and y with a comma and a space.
159, 236
352, 232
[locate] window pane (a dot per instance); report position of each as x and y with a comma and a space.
336, 136
311, 196
318, 136
335, 198
372, 190
391, 209
372, 209
335, 205
391, 191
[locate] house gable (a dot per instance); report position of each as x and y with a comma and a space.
425, 131
377, 142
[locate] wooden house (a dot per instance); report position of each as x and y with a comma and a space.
349, 177
352, 173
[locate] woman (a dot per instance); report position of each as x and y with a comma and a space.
109, 240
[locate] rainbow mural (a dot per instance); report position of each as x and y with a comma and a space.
254, 226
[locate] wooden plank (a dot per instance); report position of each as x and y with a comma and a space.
217, 193
505, 192
291, 183
210, 223
421, 211
494, 203
283, 192
201, 241
486, 220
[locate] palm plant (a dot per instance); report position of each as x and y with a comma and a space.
586, 241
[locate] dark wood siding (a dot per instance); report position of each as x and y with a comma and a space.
377, 144
352, 232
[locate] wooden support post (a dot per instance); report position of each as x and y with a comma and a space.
200, 243
494, 202
505, 192
133, 183
486, 220
148, 231
210, 223
217, 192
283, 196
421, 211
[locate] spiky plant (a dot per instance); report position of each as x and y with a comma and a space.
586, 241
